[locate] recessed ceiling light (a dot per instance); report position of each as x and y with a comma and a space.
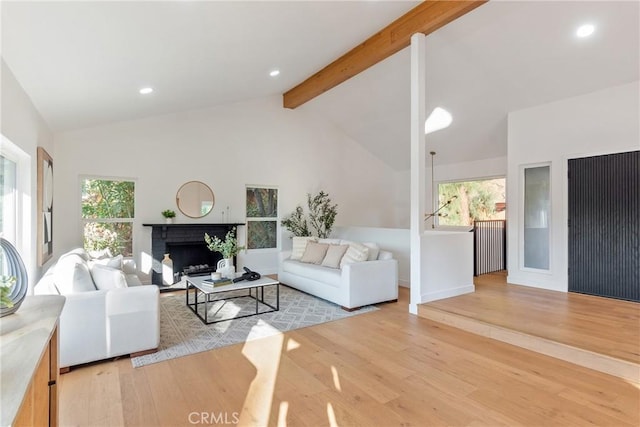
146, 90
274, 73
585, 30
438, 119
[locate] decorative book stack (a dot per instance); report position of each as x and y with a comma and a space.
218, 282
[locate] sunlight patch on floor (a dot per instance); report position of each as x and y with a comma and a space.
635, 385
336, 378
331, 415
264, 354
282, 414
292, 344
231, 310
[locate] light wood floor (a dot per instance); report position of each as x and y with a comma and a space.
601, 325
385, 368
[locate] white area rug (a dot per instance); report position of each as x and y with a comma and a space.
182, 333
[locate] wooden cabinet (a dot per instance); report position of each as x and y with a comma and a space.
40, 404
29, 370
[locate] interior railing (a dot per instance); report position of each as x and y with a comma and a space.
489, 246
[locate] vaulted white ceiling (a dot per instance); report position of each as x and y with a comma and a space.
501, 57
82, 63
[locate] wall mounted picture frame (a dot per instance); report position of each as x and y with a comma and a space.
45, 206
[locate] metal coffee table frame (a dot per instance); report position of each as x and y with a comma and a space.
201, 288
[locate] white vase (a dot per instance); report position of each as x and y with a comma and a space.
226, 268
167, 270
169, 220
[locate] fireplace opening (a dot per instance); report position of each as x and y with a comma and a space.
192, 258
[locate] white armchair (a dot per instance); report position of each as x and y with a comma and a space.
98, 324
102, 324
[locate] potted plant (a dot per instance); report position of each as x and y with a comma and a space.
169, 215
228, 248
322, 215
6, 285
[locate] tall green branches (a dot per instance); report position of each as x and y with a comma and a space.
322, 215
297, 223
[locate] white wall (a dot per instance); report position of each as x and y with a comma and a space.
477, 169
255, 142
21, 123
602, 122
447, 265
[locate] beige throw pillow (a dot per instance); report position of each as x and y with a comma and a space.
356, 253
314, 253
299, 245
334, 255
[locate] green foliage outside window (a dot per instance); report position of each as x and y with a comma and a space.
262, 202
474, 201
106, 202
115, 236
262, 214
262, 234
107, 199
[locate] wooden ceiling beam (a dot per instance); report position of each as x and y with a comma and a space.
425, 18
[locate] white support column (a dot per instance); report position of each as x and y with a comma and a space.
418, 149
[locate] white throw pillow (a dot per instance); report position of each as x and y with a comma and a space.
80, 252
356, 253
101, 254
71, 275
115, 262
329, 241
299, 245
334, 255
106, 278
374, 250
315, 252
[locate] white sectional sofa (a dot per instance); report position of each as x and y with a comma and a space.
107, 312
351, 284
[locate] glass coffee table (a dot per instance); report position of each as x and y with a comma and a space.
201, 294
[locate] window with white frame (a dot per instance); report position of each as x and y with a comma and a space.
15, 196
536, 210
8, 198
108, 210
262, 217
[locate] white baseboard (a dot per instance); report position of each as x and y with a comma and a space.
404, 283
538, 282
413, 309
448, 293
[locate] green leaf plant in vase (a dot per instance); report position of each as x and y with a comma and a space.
169, 215
6, 284
228, 248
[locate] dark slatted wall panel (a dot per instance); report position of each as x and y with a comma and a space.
604, 225
490, 246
